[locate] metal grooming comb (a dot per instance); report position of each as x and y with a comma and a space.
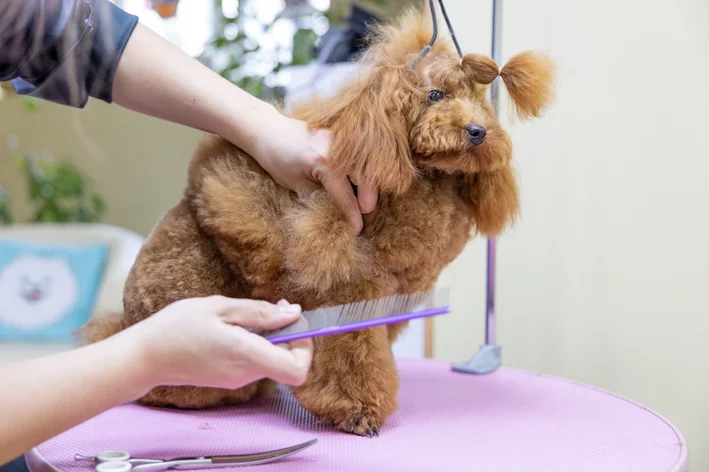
362, 315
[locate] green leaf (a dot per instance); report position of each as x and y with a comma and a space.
69, 182
5, 211
303, 43
5, 214
230, 68
98, 204
219, 42
43, 215
19, 162
30, 103
34, 187
57, 213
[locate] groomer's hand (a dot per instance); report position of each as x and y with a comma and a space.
202, 341
197, 341
298, 159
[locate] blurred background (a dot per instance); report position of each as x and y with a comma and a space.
605, 279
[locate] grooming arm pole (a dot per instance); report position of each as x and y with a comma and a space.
488, 357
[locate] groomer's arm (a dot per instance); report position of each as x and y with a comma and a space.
157, 79
43, 397
69, 50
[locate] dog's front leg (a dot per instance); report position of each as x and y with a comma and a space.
353, 382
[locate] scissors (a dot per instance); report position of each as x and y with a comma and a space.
121, 461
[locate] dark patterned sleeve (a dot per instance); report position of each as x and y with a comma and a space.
64, 51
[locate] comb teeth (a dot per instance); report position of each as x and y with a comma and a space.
386, 306
364, 311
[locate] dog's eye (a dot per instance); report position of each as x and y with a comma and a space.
435, 96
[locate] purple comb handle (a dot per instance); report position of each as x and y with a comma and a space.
358, 325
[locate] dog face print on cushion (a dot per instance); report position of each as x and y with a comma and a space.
36, 292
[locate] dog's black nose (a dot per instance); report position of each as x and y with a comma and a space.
476, 134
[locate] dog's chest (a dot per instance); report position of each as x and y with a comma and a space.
404, 245
415, 236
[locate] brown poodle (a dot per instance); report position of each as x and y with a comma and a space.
423, 132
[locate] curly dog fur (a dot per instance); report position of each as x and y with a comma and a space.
239, 234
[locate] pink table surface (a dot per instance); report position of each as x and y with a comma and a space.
506, 421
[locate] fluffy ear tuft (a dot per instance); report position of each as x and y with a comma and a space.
529, 78
369, 137
494, 200
480, 68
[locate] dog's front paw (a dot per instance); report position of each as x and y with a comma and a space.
362, 424
353, 382
362, 409
351, 417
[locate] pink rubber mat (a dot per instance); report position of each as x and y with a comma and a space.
506, 421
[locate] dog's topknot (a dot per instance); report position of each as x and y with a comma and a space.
529, 78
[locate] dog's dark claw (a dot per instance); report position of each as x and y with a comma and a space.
376, 431
351, 429
370, 433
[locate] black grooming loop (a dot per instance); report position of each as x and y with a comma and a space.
428, 47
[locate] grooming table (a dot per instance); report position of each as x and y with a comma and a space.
507, 421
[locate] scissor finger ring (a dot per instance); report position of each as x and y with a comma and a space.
114, 466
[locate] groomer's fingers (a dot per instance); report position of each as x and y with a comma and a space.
366, 196
258, 313
288, 366
340, 189
302, 353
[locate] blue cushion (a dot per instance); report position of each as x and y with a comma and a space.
48, 291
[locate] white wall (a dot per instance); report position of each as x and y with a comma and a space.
605, 280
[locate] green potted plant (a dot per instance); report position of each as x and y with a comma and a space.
57, 189
60, 191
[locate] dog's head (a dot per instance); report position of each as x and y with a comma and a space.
412, 115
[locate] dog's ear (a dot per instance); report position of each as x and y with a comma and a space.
494, 200
529, 78
369, 136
